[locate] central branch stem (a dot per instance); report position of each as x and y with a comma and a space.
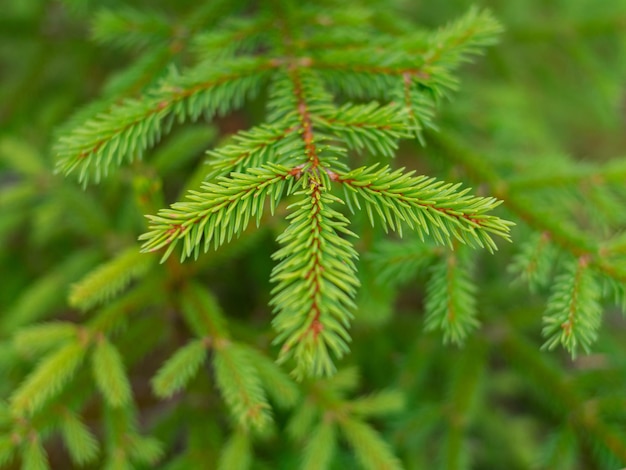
305, 117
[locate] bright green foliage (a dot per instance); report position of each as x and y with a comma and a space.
179, 369
217, 213
430, 207
451, 297
109, 374
318, 336
47, 380
130, 128
236, 454
315, 282
373, 452
240, 385
535, 261
321, 446
77, 437
110, 278
279, 387
34, 456
573, 313
38, 339
297, 153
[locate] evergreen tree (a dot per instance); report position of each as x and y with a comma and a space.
374, 315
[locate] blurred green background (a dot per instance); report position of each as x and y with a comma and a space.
552, 92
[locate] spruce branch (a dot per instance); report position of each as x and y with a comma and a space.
418, 104
203, 314
218, 212
594, 258
254, 148
236, 36
38, 339
453, 44
573, 313
397, 263
320, 449
381, 403
316, 283
279, 386
369, 127
304, 141
34, 455
145, 450
451, 297
130, 28
109, 279
110, 374
534, 262
178, 370
237, 452
371, 450
241, 374
48, 379
302, 420
463, 391
128, 129
126, 447
428, 206
78, 439
240, 386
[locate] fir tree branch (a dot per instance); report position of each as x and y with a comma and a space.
255, 148
240, 385
47, 380
78, 439
372, 127
568, 238
237, 452
464, 389
302, 420
279, 386
40, 338
110, 374
316, 284
34, 455
419, 107
125, 445
534, 262
216, 213
320, 449
145, 450
128, 129
237, 36
108, 279
451, 298
424, 204
381, 403
397, 263
179, 369
203, 315
303, 110
130, 28
466, 36
138, 298
555, 389
7, 449
573, 314
371, 450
